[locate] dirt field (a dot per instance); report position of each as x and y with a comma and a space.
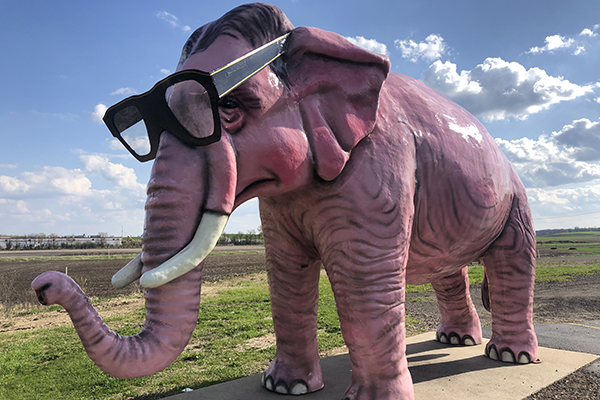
573, 301
94, 276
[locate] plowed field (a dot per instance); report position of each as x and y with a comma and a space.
95, 276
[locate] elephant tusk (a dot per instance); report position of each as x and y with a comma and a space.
209, 230
129, 273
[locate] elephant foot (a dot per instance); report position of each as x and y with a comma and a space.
518, 349
522, 351
459, 335
401, 388
284, 378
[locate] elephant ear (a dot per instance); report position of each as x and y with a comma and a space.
337, 85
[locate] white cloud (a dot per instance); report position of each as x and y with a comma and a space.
554, 42
433, 48
571, 155
15, 206
558, 42
497, 89
124, 91
10, 186
369, 44
117, 174
582, 137
57, 199
165, 71
590, 32
542, 163
98, 113
565, 207
172, 20
50, 181
9, 166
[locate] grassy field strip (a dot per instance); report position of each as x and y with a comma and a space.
51, 362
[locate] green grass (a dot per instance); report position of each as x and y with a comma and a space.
575, 243
546, 273
577, 248
51, 363
565, 273
577, 236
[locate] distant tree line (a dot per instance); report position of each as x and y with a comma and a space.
131, 242
41, 241
236, 239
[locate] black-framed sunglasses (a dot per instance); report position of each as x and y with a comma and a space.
184, 103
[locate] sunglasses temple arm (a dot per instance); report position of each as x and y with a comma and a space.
239, 71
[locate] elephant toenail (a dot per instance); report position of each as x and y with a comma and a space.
468, 341
298, 387
524, 358
508, 356
454, 339
492, 353
281, 387
268, 383
443, 338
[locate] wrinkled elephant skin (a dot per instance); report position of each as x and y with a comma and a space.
371, 174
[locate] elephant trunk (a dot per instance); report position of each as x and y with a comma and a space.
171, 315
178, 197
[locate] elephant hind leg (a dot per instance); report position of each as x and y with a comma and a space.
460, 322
510, 269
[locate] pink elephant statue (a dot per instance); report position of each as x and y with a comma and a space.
367, 172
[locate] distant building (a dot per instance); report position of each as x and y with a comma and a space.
54, 242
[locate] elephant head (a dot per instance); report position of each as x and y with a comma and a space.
293, 121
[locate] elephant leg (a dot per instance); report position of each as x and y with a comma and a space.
510, 269
460, 322
294, 291
372, 315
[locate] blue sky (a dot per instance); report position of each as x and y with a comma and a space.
527, 69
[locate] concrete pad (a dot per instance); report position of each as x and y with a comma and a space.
438, 371
443, 372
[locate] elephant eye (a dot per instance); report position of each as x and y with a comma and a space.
229, 104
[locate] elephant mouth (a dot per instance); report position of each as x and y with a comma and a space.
250, 191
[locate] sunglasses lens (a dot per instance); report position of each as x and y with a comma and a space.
190, 104
131, 126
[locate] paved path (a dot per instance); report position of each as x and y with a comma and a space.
443, 372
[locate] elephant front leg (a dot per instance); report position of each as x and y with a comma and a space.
372, 315
460, 322
294, 298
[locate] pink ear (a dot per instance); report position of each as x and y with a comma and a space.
337, 85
